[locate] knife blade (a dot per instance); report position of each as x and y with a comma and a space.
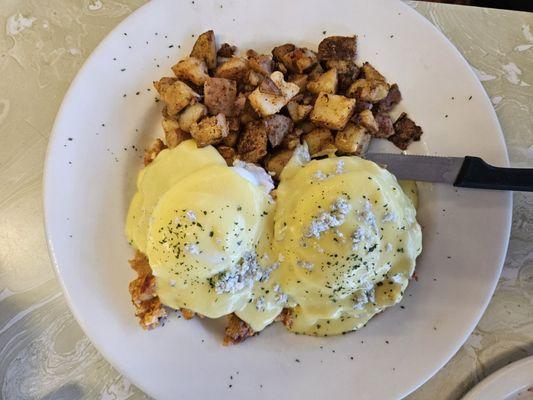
468, 171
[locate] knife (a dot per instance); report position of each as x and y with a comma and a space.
467, 172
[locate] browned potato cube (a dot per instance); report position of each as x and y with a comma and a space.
353, 140
175, 137
252, 145
210, 130
226, 50
332, 111
228, 153
253, 78
327, 83
276, 162
248, 113
347, 72
162, 84
234, 124
267, 103
169, 124
260, 63
220, 95
278, 126
231, 139
366, 118
280, 51
385, 126
292, 140
191, 69
406, 131
176, 95
240, 103
300, 80
235, 68
372, 74
151, 153
319, 141
205, 49
393, 97
368, 91
298, 112
338, 48
193, 113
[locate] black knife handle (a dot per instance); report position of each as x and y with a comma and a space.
476, 173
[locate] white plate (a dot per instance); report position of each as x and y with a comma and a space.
513, 382
89, 180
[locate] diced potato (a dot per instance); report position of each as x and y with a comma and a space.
231, 139
169, 125
240, 103
235, 69
300, 80
372, 74
253, 78
205, 49
338, 48
220, 95
191, 115
366, 118
278, 126
292, 140
347, 72
319, 141
268, 86
260, 63
252, 145
306, 126
298, 112
353, 140
176, 95
151, 153
226, 50
316, 72
385, 126
228, 153
248, 114
234, 124
268, 104
275, 163
332, 111
280, 51
295, 59
175, 137
327, 83
191, 69
368, 91
162, 84
210, 130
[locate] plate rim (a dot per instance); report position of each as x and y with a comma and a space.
484, 387
53, 137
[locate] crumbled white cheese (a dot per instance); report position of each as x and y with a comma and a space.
368, 217
389, 217
340, 167
305, 265
172, 282
281, 257
17, 23
320, 175
242, 275
388, 248
397, 278
260, 304
191, 216
364, 296
327, 220
192, 248
280, 297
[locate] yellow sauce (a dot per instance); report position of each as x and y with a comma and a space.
349, 240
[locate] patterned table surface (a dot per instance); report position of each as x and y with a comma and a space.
43, 43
